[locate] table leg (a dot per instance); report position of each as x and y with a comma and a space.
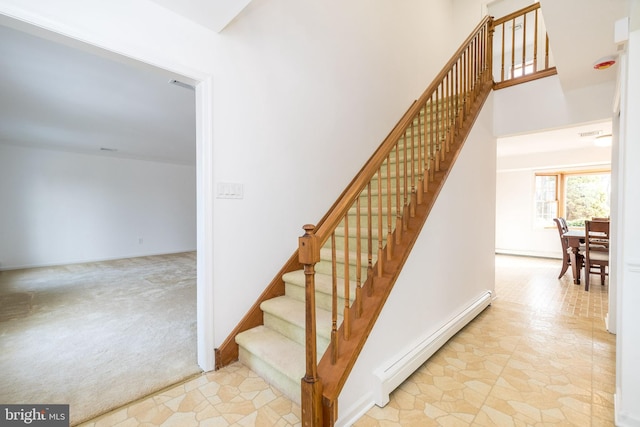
576, 264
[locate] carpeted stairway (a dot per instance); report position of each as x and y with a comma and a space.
275, 350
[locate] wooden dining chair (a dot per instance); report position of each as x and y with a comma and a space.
566, 257
596, 251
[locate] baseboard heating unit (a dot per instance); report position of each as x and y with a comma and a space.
394, 373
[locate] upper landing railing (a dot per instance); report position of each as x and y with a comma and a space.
521, 48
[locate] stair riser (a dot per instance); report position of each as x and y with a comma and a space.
364, 242
324, 267
289, 387
323, 301
295, 332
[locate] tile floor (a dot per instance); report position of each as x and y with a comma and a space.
540, 355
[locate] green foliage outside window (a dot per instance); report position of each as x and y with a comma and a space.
586, 196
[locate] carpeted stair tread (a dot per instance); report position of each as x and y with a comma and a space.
281, 353
292, 311
323, 283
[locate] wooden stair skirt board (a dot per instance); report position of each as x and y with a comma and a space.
397, 370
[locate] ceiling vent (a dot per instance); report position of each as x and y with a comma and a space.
590, 133
182, 84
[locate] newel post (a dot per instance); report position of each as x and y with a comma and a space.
309, 255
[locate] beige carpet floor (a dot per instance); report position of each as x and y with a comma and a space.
97, 335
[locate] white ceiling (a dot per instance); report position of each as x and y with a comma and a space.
572, 138
68, 97
580, 33
211, 14
63, 97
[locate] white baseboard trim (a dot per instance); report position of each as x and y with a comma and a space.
355, 412
623, 418
389, 377
535, 254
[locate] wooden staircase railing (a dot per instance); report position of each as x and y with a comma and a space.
367, 235
521, 48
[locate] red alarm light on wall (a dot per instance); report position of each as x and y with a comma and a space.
604, 63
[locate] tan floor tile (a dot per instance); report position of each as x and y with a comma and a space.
539, 356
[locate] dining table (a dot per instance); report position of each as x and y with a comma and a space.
575, 237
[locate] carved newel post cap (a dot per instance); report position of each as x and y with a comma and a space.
308, 248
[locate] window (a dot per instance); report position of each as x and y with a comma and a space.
546, 199
518, 70
576, 196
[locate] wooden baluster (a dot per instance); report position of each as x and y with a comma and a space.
434, 132
450, 114
456, 95
469, 78
412, 199
369, 235
358, 262
311, 385
502, 55
483, 56
476, 46
398, 197
464, 84
513, 46
459, 93
445, 115
535, 42
380, 219
442, 140
346, 321
472, 70
334, 301
389, 210
490, 51
427, 161
436, 125
421, 165
524, 44
546, 52
405, 206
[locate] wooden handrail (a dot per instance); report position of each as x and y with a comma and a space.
516, 14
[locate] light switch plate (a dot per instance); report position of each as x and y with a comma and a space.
230, 190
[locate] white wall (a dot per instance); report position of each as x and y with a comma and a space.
430, 292
516, 232
627, 252
542, 104
60, 207
304, 92
293, 97
534, 107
